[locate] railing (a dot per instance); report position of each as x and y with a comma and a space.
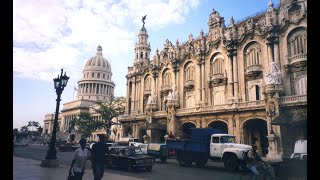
186, 110
255, 67
293, 99
215, 107
166, 87
217, 76
159, 113
251, 103
298, 58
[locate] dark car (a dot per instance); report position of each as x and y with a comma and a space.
68, 147
130, 158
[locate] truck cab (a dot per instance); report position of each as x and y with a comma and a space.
223, 147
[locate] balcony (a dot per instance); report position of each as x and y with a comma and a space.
147, 92
293, 100
297, 62
253, 70
217, 78
166, 88
189, 84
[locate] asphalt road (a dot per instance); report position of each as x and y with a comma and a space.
164, 171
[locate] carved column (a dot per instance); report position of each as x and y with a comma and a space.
230, 76
198, 82
128, 99
276, 53
235, 76
203, 82
133, 100
270, 56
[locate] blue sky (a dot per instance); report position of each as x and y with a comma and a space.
50, 35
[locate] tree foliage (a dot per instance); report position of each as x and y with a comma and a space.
110, 109
106, 110
86, 124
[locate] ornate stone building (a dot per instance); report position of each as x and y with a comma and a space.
95, 85
248, 79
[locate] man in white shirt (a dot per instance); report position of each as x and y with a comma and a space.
78, 165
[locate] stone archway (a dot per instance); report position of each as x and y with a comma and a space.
255, 131
142, 132
127, 131
219, 125
185, 126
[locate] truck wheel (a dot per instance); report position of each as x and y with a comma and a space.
201, 163
181, 160
163, 160
188, 163
149, 168
130, 168
231, 163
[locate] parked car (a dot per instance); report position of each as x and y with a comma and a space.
68, 147
109, 145
129, 157
78, 146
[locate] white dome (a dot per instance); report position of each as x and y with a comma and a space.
98, 62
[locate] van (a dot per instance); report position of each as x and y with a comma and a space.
300, 150
125, 141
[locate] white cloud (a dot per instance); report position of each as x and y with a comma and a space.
49, 35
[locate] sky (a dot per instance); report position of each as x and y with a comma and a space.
63, 34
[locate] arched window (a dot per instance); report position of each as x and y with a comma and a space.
166, 79
216, 66
189, 72
141, 55
252, 55
148, 84
297, 43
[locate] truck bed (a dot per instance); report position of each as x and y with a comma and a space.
191, 146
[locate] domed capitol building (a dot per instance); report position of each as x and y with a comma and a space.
248, 79
95, 85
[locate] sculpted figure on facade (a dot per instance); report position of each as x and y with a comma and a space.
169, 96
275, 76
174, 92
152, 99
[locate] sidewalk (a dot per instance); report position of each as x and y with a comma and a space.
28, 169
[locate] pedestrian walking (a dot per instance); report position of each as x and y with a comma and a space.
79, 160
98, 156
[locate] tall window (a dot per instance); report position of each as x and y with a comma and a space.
257, 92
253, 55
189, 72
147, 84
216, 66
166, 79
301, 85
297, 43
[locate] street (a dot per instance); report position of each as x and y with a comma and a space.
169, 170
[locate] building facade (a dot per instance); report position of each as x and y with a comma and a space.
96, 85
248, 79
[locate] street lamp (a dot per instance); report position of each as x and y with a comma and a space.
51, 158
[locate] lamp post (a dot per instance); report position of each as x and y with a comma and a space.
51, 158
